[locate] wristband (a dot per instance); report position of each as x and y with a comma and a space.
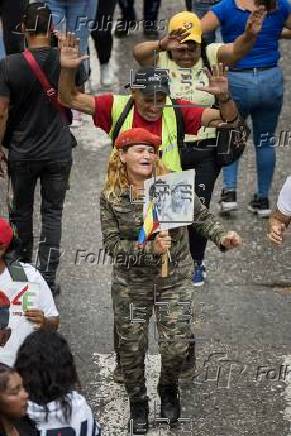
229, 121
227, 99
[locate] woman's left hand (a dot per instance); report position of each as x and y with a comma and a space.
230, 240
218, 81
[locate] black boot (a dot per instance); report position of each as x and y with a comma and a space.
170, 402
139, 414
121, 29
151, 33
123, 25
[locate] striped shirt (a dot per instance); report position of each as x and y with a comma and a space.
81, 422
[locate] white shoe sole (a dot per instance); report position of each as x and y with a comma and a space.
228, 206
201, 283
265, 213
197, 285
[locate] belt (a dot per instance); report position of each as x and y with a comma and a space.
254, 69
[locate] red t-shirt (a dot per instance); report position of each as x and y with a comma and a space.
102, 117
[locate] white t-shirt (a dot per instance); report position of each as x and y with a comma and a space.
21, 296
82, 422
284, 199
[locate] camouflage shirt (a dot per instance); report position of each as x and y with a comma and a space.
121, 221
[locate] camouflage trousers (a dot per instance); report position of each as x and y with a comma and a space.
133, 306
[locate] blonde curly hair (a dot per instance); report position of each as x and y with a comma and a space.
117, 178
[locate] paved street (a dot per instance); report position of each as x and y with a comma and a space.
242, 317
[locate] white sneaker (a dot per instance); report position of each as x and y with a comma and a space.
106, 75
228, 201
260, 206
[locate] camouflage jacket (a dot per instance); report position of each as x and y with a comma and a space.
121, 221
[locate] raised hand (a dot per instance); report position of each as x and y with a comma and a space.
70, 53
174, 39
255, 21
218, 81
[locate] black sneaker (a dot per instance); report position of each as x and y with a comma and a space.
260, 206
170, 402
139, 414
228, 201
121, 29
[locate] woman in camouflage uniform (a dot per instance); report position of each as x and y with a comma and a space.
137, 287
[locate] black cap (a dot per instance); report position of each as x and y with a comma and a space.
150, 80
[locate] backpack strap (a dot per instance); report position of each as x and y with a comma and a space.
180, 124
121, 119
49, 90
17, 272
179, 121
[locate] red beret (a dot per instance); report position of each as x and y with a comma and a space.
6, 232
137, 136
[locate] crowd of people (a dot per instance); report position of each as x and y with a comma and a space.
187, 104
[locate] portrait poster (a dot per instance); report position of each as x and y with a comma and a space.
173, 195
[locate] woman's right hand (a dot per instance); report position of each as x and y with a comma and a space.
162, 243
174, 39
255, 21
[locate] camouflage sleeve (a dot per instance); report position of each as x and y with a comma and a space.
112, 241
206, 224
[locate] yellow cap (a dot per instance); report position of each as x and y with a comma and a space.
188, 21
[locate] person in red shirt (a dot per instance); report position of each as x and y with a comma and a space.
149, 91
148, 106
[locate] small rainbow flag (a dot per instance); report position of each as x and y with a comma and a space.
150, 224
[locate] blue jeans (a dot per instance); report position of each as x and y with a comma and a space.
258, 94
77, 16
2, 48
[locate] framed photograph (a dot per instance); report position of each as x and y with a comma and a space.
173, 195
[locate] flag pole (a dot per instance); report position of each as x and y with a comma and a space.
165, 262
165, 256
